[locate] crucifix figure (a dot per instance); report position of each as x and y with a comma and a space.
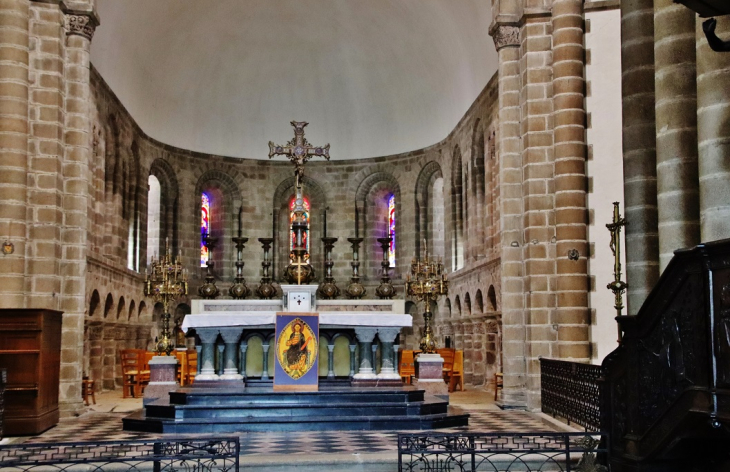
298, 150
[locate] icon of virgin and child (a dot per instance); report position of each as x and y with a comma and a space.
297, 348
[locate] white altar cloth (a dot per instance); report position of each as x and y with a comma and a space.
347, 319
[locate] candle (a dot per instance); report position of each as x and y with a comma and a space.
325, 223
357, 223
240, 217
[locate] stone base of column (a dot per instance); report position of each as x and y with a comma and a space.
435, 387
430, 371
364, 375
218, 383
231, 376
163, 371
206, 378
376, 382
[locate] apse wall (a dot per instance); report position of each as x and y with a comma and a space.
447, 197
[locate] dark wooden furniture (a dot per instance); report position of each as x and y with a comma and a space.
665, 399
30, 350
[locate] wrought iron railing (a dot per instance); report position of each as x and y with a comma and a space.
572, 391
160, 455
512, 452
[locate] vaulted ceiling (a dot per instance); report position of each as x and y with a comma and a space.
372, 77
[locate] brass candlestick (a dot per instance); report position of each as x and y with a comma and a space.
328, 290
266, 289
618, 287
385, 290
427, 282
239, 290
166, 280
355, 290
209, 290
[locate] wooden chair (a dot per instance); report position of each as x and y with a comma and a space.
192, 365
182, 367
407, 366
448, 355
134, 374
457, 372
87, 390
498, 383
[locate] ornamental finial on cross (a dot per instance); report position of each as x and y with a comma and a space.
298, 150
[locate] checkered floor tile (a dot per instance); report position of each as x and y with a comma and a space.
108, 427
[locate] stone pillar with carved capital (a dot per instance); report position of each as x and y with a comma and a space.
331, 361
244, 349
365, 338
265, 373
231, 337
507, 41
352, 359
387, 338
207, 361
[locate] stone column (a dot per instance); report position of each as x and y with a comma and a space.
244, 348
352, 359
14, 154
713, 116
330, 361
206, 357
231, 337
572, 315
507, 41
676, 128
639, 147
387, 367
365, 338
219, 359
265, 373
199, 367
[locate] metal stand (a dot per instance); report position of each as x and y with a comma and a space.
355, 290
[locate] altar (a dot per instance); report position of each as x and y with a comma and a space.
361, 320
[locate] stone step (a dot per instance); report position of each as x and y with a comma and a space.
296, 410
245, 396
138, 422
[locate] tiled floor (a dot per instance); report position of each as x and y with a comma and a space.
104, 423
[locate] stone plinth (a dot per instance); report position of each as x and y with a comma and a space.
430, 375
163, 370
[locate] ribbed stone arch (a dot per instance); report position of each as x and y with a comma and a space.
424, 202
169, 204
369, 223
317, 196
226, 202
457, 210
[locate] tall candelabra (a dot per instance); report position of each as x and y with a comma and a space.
427, 282
617, 286
166, 280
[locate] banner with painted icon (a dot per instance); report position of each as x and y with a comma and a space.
296, 368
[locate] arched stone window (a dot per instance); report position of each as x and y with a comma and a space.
430, 209
457, 211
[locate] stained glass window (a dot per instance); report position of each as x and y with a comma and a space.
391, 229
292, 236
204, 228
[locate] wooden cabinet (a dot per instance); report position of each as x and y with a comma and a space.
30, 350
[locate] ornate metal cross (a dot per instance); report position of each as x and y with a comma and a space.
298, 150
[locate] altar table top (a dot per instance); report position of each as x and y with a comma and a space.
326, 319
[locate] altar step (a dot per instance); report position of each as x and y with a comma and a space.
248, 409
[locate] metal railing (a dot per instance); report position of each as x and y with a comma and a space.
572, 391
512, 452
158, 455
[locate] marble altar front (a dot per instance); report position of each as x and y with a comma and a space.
231, 319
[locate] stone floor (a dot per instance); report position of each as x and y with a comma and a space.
102, 422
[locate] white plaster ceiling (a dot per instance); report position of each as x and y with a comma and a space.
372, 77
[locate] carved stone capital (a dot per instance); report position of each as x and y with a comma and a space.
506, 36
81, 24
231, 335
366, 335
207, 335
388, 335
